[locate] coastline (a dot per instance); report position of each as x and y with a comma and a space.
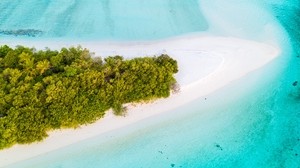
205, 65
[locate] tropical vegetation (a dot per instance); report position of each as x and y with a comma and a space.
43, 90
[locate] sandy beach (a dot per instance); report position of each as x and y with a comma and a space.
205, 65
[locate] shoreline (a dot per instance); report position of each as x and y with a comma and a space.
205, 65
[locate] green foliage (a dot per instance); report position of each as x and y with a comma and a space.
46, 90
42, 66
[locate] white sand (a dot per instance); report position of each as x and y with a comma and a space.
205, 64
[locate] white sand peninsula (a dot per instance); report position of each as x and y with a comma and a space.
205, 65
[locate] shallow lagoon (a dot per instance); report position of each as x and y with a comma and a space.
257, 126
103, 19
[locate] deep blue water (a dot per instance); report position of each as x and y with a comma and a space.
253, 122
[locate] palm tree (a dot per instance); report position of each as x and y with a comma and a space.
42, 66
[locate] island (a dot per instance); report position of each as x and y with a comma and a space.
43, 90
205, 64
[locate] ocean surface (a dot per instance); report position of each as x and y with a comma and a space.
253, 122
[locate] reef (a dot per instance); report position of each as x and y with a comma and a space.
22, 32
295, 83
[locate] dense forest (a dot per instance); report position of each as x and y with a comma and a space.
47, 89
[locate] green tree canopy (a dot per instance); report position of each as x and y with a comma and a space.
45, 90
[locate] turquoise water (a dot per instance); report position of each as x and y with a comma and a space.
103, 19
256, 126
